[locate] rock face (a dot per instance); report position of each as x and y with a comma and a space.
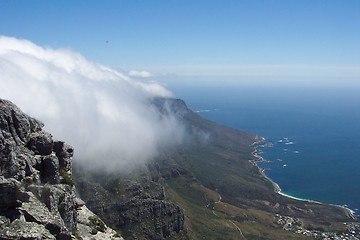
37, 194
135, 205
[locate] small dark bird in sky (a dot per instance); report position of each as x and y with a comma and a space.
106, 41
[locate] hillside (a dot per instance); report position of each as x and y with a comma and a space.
209, 186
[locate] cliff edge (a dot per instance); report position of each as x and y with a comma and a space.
37, 193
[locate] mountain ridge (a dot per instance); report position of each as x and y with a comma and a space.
213, 177
208, 186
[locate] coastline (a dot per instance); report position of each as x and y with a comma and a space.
261, 142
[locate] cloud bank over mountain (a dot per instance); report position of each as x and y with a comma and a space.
103, 113
142, 74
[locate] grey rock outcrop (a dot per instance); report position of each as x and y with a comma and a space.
135, 205
37, 194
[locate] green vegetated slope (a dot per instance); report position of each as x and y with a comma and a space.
207, 188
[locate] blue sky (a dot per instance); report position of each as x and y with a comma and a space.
305, 38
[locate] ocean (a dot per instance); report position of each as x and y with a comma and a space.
314, 132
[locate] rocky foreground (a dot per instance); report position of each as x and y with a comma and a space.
37, 193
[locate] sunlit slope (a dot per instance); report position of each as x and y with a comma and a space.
224, 196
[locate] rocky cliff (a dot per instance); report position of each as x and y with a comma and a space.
37, 193
136, 205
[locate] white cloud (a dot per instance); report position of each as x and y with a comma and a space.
140, 74
103, 113
153, 88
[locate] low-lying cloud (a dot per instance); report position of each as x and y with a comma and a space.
103, 113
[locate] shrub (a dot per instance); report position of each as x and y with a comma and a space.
66, 177
96, 224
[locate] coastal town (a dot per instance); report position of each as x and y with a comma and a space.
295, 225
352, 231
